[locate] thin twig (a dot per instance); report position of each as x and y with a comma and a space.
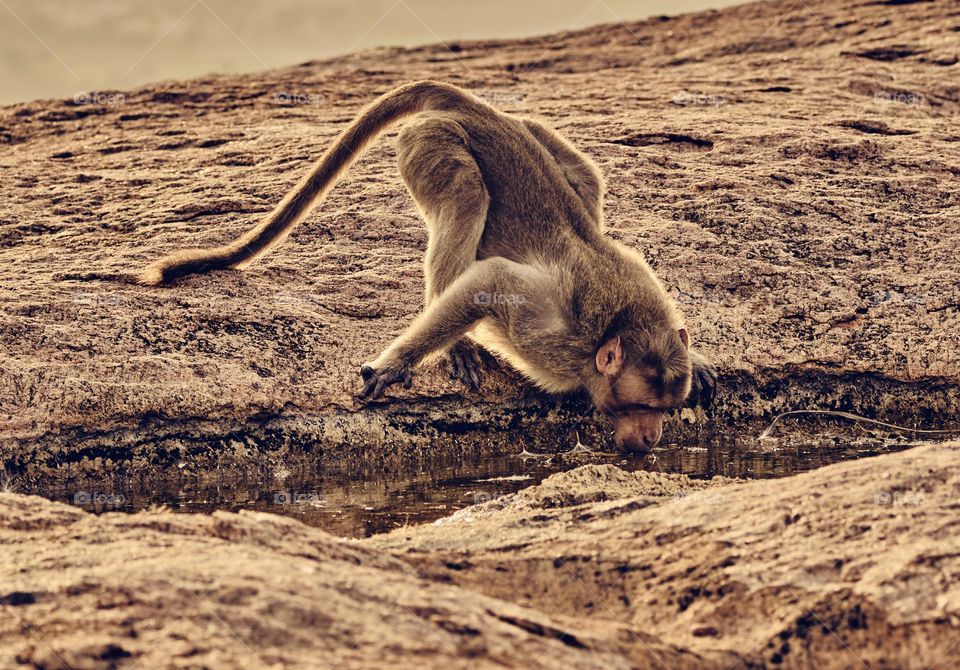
765, 435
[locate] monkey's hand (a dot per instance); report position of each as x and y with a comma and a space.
703, 388
467, 362
376, 381
447, 319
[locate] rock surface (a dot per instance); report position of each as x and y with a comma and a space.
158, 590
790, 169
852, 565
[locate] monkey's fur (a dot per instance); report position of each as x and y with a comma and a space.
517, 261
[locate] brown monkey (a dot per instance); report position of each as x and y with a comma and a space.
517, 262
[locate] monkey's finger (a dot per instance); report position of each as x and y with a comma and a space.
706, 386
455, 368
472, 379
374, 387
366, 371
473, 370
467, 372
407, 378
491, 361
367, 389
380, 387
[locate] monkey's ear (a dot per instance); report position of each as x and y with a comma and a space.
610, 357
684, 337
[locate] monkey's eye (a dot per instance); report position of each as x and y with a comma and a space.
617, 410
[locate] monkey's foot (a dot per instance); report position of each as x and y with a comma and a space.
467, 362
375, 382
704, 387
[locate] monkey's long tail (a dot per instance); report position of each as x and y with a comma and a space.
297, 204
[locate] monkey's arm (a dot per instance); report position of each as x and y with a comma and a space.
475, 295
704, 385
580, 171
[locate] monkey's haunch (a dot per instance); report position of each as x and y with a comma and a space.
383, 113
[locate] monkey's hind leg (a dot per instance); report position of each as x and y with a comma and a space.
581, 172
448, 187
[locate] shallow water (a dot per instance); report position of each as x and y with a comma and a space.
364, 506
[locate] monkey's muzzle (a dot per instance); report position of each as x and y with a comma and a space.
637, 431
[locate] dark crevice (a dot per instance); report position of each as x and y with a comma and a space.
648, 139
541, 630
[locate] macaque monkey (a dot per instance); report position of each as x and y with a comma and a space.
517, 262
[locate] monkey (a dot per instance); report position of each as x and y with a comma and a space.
518, 266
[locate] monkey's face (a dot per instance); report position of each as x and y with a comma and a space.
636, 408
638, 396
637, 430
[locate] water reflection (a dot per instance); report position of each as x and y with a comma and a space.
363, 507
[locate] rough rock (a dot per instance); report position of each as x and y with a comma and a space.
158, 590
852, 565
790, 169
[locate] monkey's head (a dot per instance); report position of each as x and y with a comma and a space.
641, 378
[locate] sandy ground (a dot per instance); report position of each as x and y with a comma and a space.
852, 565
790, 169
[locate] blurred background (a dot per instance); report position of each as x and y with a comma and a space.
59, 48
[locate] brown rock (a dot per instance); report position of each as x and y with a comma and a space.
249, 590
801, 204
851, 564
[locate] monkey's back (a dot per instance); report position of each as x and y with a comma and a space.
532, 205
